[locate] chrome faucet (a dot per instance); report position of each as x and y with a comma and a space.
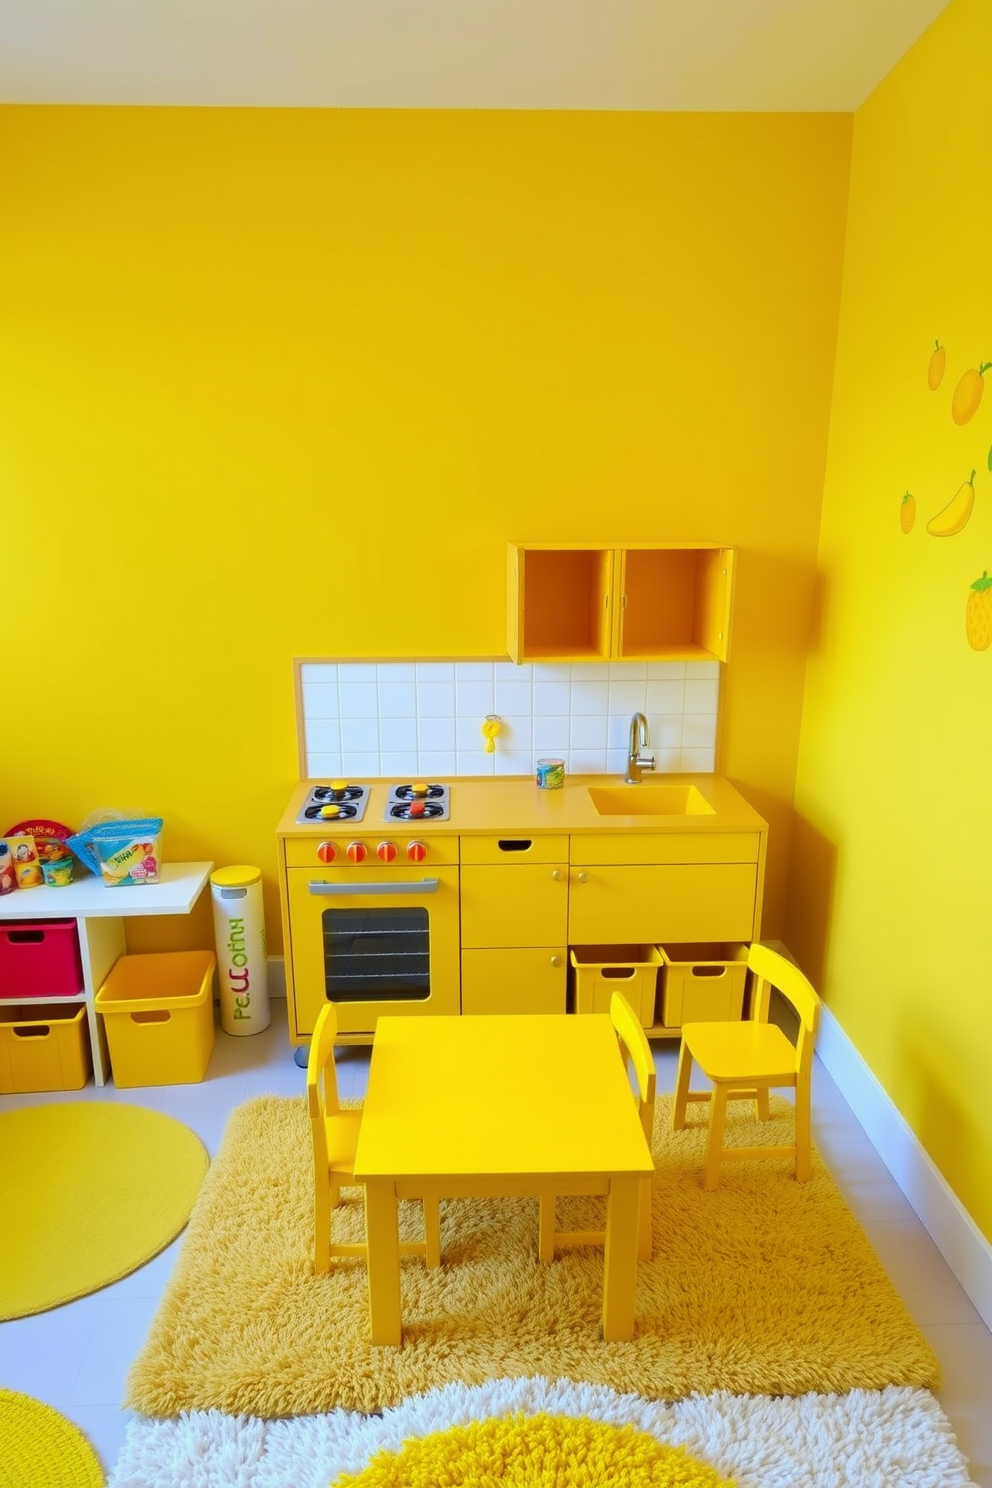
637, 757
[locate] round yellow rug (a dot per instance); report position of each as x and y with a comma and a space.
89, 1191
41, 1449
539, 1451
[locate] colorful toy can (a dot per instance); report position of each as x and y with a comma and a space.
550, 774
57, 871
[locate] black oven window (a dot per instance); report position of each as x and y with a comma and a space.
377, 955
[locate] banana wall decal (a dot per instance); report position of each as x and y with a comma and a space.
950, 520
953, 517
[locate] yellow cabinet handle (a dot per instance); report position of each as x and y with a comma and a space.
582, 877
555, 960
557, 875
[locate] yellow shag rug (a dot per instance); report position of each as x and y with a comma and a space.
536, 1452
89, 1191
765, 1287
41, 1449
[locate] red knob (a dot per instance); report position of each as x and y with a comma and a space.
416, 851
386, 851
327, 852
357, 852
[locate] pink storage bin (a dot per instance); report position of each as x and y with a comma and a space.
40, 958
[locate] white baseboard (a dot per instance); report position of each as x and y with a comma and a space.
951, 1227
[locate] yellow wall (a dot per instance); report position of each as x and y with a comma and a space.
284, 383
892, 909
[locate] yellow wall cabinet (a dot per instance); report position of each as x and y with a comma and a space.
514, 910
638, 603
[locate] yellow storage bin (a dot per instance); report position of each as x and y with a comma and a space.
43, 1047
601, 970
158, 1011
702, 983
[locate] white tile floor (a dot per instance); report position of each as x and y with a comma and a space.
76, 1357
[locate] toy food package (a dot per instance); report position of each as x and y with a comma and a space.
27, 865
8, 878
122, 852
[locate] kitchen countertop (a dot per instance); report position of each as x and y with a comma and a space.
513, 804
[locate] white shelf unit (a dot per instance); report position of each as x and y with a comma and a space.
99, 913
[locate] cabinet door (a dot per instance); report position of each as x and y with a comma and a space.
649, 905
560, 603
514, 981
514, 904
674, 603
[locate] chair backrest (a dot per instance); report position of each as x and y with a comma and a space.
322, 1083
635, 1043
773, 970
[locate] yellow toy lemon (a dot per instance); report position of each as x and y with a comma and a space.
490, 728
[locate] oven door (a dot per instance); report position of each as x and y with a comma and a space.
374, 940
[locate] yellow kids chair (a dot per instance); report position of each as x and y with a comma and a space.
634, 1047
743, 1061
335, 1141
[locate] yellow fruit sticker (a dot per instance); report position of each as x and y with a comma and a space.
935, 368
978, 614
907, 512
968, 393
949, 521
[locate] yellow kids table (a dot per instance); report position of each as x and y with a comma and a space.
470, 1107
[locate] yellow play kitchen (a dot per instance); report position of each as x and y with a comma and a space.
544, 892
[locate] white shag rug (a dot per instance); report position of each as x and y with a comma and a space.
892, 1438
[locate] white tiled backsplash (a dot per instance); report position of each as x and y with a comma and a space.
399, 720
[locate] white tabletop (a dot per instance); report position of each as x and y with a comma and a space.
88, 897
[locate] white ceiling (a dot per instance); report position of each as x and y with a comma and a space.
805, 55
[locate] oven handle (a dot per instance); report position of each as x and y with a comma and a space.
422, 886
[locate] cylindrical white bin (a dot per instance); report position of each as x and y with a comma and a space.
239, 930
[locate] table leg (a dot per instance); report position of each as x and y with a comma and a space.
620, 1262
383, 1238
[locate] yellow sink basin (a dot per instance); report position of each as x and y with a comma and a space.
649, 800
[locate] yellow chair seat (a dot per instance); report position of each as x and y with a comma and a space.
745, 1060
724, 1050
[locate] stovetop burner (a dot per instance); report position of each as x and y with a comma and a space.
415, 811
418, 802
337, 802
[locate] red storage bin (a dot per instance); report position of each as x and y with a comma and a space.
40, 958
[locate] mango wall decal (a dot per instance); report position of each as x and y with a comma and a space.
968, 393
907, 512
955, 514
935, 370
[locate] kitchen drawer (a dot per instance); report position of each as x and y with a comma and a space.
522, 905
514, 981
515, 848
666, 847
696, 902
